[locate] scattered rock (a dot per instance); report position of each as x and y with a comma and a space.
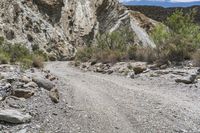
25, 79
131, 75
198, 71
187, 80
22, 93
138, 70
109, 71
163, 66
54, 95
44, 83
10, 34
31, 84
14, 116
50, 77
5, 90
153, 67
22, 131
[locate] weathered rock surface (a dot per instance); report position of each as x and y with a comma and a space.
22, 93
14, 116
59, 26
187, 80
44, 83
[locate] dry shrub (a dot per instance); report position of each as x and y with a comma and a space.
109, 56
38, 62
84, 54
4, 59
196, 58
145, 54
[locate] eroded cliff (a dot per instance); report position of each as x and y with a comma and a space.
60, 26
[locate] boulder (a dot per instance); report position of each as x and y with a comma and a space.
22, 93
139, 67
14, 116
54, 95
44, 83
138, 70
187, 80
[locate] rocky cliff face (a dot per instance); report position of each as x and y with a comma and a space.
59, 26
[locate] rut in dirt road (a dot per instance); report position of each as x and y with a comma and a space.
116, 104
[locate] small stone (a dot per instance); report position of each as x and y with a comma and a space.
54, 95
131, 75
163, 66
31, 84
22, 131
153, 67
32, 70
14, 116
50, 77
25, 79
198, 71
109, 71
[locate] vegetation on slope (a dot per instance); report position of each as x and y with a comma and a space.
176, 42
19, 54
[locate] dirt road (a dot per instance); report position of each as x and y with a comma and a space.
116, 104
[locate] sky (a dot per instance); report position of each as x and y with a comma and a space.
162, 0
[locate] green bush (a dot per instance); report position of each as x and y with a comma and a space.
4, 59
177, 42
18, 53
110, 47
26, 63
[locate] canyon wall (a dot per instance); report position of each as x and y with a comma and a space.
60, 26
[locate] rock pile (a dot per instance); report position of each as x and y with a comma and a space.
124, 68
17, 87
135, 69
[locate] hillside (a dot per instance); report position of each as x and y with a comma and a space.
162, 3
160, 13
59, 27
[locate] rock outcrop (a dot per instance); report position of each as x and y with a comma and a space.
60, 26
